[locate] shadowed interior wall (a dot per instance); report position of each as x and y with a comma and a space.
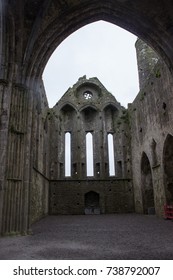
115, 196
168, 167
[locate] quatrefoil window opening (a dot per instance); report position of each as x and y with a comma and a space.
87, 94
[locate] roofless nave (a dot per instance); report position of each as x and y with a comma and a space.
31, 135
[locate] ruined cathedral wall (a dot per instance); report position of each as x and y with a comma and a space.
102, 116
151, 117
19, 118
40, 157
13, 131
116, 196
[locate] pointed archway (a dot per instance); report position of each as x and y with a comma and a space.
147, 185
92, 203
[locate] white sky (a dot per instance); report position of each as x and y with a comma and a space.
100, 50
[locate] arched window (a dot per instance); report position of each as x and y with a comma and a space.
89, 154
111, 155
67, 154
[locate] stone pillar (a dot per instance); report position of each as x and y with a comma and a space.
16, 195
5, 90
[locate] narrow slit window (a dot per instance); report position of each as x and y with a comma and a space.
111, 155
67, 154
89, 154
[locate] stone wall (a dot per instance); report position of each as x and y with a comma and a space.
68, 197
38, 196
39, 191
150, 118
29, 33
89, 107
100, 115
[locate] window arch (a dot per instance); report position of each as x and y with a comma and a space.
89, 155
67, 154
111, 155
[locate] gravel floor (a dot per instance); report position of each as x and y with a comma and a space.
127, 236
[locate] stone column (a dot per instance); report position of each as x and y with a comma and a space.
16, 197
5, 94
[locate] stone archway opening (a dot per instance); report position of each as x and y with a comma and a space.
147, 186
101, 50
137, 19
92, 203
168, 168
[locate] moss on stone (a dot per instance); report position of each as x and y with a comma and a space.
158, 74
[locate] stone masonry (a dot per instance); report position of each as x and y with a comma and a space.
32, 161
89, 107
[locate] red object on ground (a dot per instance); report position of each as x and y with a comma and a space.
168, 211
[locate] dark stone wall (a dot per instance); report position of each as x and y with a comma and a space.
68, 197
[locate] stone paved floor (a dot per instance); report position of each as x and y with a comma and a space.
127, 236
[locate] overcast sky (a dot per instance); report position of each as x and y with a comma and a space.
100, 50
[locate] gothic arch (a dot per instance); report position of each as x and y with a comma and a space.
67, 107
168, 167
92, 202
88, 107
146, 184
60, 25
110, 106
91, 85
68, 116
89, 114
110, 114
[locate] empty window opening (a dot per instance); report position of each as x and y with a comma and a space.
87, 94
89, 154
67, 154
111, 155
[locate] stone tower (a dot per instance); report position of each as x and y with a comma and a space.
146, 60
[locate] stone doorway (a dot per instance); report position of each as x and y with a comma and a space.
92, 203
147, 186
